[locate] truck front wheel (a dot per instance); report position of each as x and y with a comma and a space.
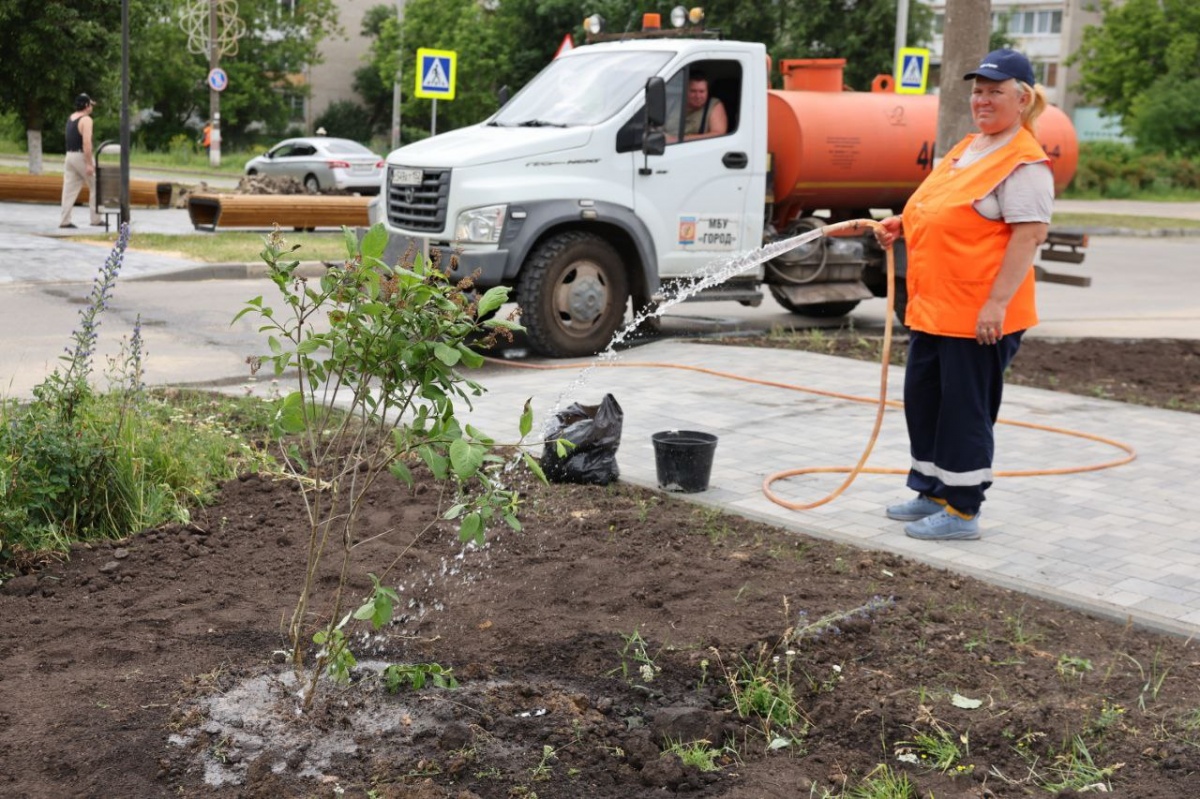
572, 293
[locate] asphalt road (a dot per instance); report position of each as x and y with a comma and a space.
1142, 287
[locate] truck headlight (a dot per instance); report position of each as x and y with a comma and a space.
480, 225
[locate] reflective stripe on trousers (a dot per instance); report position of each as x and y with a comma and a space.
952, 391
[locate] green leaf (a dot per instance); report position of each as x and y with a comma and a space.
465, 458
401, 472
527, 417
436, 462
507, 324
470, 358
478, 435
446, 354
493, 299
375, 241
289, 414
351, 239
471, 528
535, 467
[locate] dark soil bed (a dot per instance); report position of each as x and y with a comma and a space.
151, 668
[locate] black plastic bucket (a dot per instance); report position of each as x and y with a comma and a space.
683, 459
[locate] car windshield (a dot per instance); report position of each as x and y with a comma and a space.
580, 90
346, 147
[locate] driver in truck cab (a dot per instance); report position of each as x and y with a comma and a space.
706, 116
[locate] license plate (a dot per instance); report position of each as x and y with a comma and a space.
361, 169
406, 177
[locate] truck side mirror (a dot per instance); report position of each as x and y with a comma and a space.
503, 95
656, 102
654, 141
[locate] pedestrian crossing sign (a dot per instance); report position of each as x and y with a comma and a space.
436, 73
912, 70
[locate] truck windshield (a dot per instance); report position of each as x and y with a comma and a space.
580, 90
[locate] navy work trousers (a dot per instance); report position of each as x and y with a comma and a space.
952, 390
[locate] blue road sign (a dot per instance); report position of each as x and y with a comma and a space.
912, 70
436, 73
217, 79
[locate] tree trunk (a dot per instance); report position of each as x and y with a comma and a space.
33, 139
968, 28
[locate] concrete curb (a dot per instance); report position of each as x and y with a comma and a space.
1132, 232
234, 271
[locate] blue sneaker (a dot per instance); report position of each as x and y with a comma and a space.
944, 526
914, 509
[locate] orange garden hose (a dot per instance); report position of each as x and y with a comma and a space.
882, 403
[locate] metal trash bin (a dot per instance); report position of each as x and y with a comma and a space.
108, 182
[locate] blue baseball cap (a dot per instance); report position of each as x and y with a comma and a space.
1002, 65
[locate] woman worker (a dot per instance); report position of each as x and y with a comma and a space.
972, 230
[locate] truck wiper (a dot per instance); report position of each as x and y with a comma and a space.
540, 123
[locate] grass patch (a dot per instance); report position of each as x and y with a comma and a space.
225, 247
1069, 220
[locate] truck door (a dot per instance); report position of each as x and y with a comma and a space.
703, 198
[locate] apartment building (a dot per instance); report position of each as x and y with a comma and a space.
333, 79
1048, 33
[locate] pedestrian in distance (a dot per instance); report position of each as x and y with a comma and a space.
79, 168
206, 138
972, 230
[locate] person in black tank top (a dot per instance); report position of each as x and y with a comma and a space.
79, 167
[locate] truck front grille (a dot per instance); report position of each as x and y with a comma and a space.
420, 207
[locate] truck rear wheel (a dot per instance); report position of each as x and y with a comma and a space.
820, 310
572, 294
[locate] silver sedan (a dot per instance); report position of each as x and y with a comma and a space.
321, 162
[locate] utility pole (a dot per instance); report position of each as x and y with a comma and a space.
901, 29
396, 82
124, 137
968, 29
214, 96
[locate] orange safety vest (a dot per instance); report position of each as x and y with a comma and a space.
954, 253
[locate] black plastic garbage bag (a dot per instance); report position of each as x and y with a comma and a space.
595, 430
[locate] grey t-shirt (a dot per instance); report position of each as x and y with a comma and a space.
1026, 195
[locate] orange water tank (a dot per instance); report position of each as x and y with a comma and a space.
850, 151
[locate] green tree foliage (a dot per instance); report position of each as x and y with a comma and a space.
51, 51
280, 42
369, 84
167, 82
54, 49
1166, 117
346, 119
1141, 65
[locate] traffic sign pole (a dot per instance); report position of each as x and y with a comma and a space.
436, 73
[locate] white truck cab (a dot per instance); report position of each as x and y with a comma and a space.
555, 196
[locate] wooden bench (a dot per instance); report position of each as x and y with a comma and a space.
298, 211
48, 189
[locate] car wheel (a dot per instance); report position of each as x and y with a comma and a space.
251, 172
312, 184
